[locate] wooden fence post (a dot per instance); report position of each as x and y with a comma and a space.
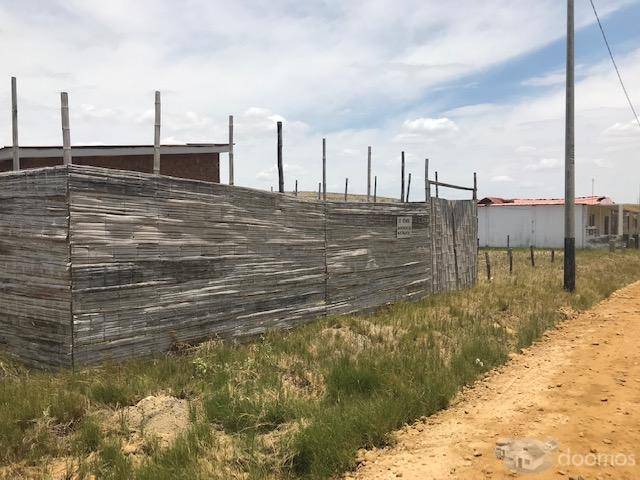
296, 190
14, 124
324, 169
437, 192
369, 174
427, 185
510, 261
402, 178
533, 260
375, 188
319, 190
408, 188
553, 255
231, 177
346, 188
66, 133
280, 166
475, 186
156, 135
488, 262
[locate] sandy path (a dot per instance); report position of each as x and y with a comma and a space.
580, 386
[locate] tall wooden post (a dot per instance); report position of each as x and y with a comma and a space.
280, 166
156, 136
620, 225
231, 176
319, 190
14, 124
375, 188
402, 178
488, 264
324, 169
510, 261
531, 253
569, 162
437, 192
427, 184
296, 190
346, 188
66, 133
408, 187
475, 186
368, 174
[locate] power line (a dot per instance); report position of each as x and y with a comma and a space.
615, 65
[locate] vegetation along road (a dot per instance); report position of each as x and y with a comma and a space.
573, 399
322, 399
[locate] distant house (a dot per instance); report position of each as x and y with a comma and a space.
196, 161
540, 222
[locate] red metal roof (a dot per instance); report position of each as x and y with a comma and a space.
506, 202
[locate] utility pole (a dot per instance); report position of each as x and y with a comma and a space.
569, 162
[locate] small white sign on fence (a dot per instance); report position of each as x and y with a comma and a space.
404, 227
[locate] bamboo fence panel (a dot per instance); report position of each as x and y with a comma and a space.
102, 265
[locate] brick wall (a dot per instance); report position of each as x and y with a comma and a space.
193, 166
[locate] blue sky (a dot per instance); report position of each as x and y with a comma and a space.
474, 86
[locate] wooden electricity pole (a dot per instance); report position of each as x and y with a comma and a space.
569, 162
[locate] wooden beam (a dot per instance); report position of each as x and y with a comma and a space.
66, 134
346, 188
280, 166
231, 173
408, 187
450, 185
14, 124
156, 135
437, 184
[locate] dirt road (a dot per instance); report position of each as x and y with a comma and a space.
568, 407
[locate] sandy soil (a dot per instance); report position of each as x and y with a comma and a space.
574, 396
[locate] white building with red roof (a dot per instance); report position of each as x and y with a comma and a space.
539, 222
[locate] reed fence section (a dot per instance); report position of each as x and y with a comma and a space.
105, 265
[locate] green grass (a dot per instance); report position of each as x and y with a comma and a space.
299, 404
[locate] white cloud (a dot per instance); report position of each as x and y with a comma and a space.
430, 125
501, 179
549, 80
544, 164
354, 72
526, 149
